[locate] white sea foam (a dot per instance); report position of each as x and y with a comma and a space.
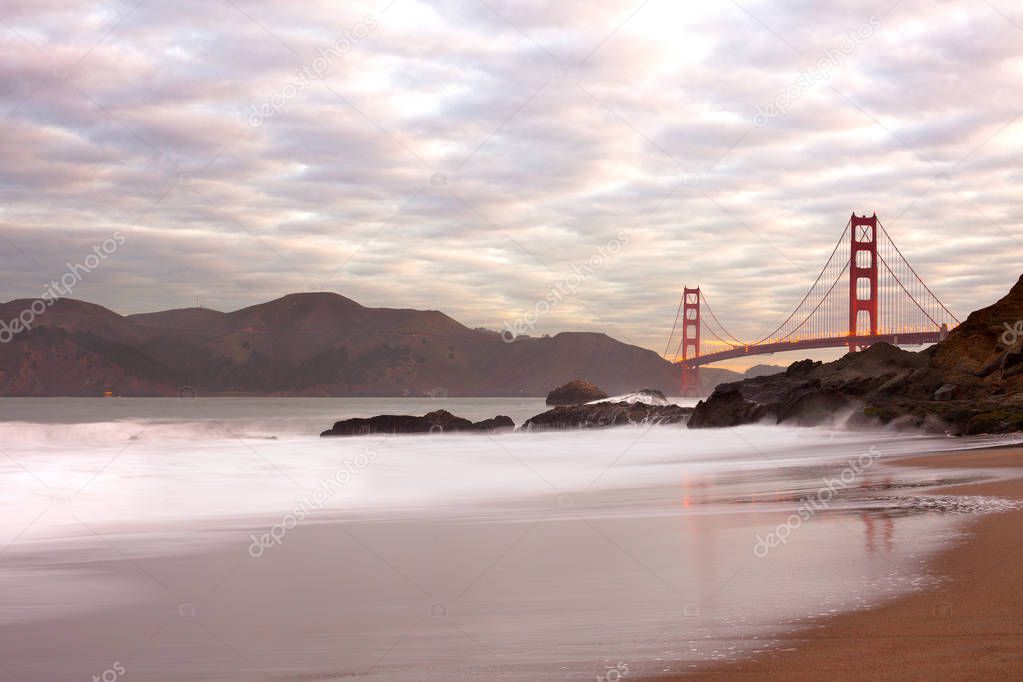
645, 397
178, 468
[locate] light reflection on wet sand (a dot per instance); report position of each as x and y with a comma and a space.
665, 585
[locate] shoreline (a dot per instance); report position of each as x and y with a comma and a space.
968, 626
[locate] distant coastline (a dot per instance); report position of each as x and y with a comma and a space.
308, 345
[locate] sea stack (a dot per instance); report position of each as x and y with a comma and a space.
575, 392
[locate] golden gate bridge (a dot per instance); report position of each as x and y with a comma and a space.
866, 293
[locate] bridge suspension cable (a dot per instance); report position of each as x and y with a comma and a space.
941, 314
706, 304
831, 267
673, 327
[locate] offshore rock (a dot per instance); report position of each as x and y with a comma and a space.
575, 392
599, 415
439, 421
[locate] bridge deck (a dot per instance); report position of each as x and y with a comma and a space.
905, 339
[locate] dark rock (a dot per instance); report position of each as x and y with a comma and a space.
439, 421
575, 392
801, 367
979, 344
990, 367
1012, 364
814, 407
1000, 419
785, 400
606, 414
498, 423
726, 407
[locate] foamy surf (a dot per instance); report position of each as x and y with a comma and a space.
646, 397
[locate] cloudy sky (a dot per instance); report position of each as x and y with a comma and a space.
464, 155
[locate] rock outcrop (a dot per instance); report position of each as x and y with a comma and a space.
439, 421
597, 415
498, 423
575, 392
970, 383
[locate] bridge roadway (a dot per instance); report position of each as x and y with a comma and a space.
903, 339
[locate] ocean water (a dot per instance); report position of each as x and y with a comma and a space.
223, 539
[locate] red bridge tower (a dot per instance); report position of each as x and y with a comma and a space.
863, 293
690, 340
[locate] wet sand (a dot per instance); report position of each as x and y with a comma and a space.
969, 627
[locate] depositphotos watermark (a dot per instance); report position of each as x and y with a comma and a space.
820, 500
65, 286
1012, 334
564, 287
613, 673
820, 70
111, 674
314, 70
310, 502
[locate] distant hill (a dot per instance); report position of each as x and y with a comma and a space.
310, 344
763, 370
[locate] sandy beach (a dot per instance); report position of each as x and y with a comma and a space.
970, 627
